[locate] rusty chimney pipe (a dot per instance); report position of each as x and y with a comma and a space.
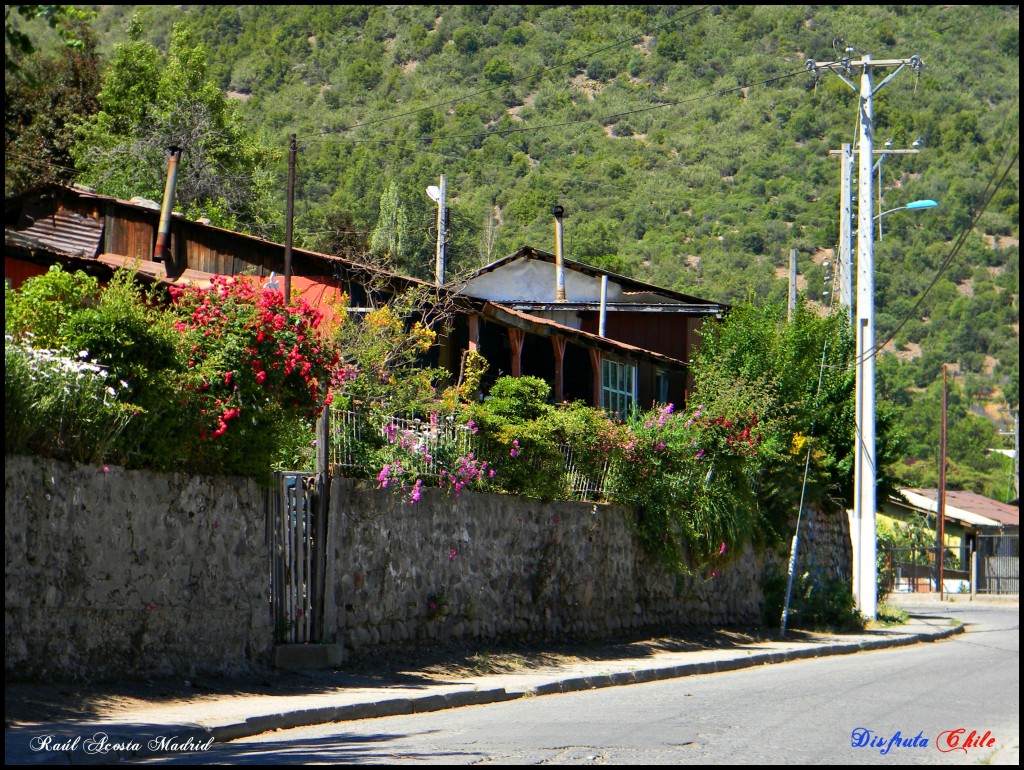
559, 261
160, 250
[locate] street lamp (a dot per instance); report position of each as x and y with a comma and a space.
438, 195
913, 205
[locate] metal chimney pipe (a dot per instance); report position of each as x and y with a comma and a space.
603, 318
163, 235
559, 262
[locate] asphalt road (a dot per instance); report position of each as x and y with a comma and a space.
909, 705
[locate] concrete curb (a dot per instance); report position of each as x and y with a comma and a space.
146, 739
429, 703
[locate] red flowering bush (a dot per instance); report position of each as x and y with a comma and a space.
255, 363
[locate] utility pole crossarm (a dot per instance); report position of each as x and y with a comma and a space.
844, 64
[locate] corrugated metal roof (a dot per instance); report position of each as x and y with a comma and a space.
629, 285
63, 232
969, 507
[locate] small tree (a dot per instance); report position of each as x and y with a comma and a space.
148, 104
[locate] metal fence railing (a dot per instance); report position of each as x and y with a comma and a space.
989, 565
353, 437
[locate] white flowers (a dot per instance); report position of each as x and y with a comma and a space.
59, 369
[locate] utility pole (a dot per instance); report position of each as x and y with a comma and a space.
289, 219
940, 508
1016, 452
846, 232
865, 588
442, 232
440, 196
792, 284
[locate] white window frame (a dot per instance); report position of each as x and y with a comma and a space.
661, 386
618, 387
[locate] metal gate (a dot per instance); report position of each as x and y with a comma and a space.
998, 564
297, 535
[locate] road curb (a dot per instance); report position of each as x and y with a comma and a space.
426, 703
431, 703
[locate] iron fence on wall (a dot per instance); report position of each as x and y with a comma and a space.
352, 434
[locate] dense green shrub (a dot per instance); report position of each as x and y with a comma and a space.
816, 604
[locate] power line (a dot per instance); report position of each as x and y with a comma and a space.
948, 261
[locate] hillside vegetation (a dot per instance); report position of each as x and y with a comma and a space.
689, 146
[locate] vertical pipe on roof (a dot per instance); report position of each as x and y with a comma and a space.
603, 322
160, 249
559, 261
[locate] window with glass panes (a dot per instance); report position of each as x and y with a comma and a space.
618, 387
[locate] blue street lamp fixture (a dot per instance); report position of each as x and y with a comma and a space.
922, 204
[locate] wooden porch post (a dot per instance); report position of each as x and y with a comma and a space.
558, 344
595, 364
474, 332
516, 338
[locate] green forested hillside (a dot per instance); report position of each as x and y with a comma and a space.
689, 146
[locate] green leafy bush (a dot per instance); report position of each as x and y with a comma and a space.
688, 478
45, 302
522, 443
815, 604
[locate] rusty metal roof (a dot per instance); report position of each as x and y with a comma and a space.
973, 503
62, 232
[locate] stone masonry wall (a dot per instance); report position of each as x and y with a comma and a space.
494, 566
113, 573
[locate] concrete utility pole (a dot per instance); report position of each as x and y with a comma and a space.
940, 506
865, 588
1016, 450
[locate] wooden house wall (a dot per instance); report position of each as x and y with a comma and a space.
665, 333
129, 232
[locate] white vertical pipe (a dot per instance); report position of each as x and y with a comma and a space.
603, 323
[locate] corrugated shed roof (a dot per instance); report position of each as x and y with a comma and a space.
629, 285
967, 506
61, 232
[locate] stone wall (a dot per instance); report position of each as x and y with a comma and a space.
112, 573
501, 566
